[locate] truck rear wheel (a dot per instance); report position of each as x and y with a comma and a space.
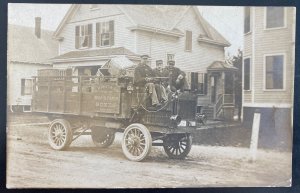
137, 142
60, 134
102, 137
178, 146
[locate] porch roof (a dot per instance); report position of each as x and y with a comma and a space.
221, 66
95, 53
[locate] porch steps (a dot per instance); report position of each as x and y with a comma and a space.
208, 111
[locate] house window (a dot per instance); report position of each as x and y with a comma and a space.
105, 33
188, 40
26, 86
274, 17
247, 19
170, 57
247, 71
83, 36
274, 72
198, 83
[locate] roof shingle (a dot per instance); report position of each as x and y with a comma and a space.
24, 46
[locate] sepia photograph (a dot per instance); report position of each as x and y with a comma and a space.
149, 96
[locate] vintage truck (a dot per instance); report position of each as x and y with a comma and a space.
107, 103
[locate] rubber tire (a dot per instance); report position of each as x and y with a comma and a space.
148, 142
95, 132
184, 153
69, 134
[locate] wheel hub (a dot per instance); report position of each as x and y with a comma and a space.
134, 141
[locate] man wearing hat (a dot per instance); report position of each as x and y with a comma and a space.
144, 77
176, 77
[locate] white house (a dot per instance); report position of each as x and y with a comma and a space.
91, 34
29, 49
268, 73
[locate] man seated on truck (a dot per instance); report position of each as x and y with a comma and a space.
159, 82
176, 80
144, 77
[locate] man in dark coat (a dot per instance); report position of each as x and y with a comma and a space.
144, 77
176, 77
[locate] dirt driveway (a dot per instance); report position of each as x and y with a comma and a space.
32, 163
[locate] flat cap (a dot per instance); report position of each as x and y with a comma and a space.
145, 56
171, 62
159, 62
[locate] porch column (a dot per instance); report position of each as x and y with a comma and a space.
222, 82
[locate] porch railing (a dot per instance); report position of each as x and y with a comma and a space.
218, 105
223, 99
228, 99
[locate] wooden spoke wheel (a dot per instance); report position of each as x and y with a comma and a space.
60, 134
137, 142
102, 137
178, 146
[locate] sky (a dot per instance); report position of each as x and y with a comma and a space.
227, 20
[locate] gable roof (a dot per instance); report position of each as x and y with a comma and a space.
25, 47
94, 53
162, 17
156, 16
221, 66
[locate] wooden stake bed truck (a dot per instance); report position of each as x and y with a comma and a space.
100, 106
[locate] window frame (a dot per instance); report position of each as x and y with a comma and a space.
23, 88
274, 28
85, 30
250, 74
86, 34
170, 53
106, 26
250, 21
284, 72
205, 86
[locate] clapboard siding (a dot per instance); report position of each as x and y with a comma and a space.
123, 36
17, 71
247, 96
201, 56
272, 42
276, 41
247, 44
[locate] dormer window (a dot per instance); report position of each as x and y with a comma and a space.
83, 36
105, 33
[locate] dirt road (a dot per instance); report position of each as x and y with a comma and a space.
32, 163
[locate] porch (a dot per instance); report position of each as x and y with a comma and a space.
219, 102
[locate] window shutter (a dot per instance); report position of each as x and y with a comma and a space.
205, 84
247, 74
188, 41
194, 81
22, 87
90, 35
77, 28
97, 34
111, 33
247, 19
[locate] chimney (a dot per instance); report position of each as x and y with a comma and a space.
38, 27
